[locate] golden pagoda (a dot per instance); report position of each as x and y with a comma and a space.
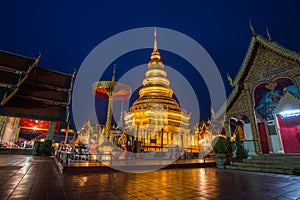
155, 118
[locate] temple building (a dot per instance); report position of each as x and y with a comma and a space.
264, 106
155, 118
34, 101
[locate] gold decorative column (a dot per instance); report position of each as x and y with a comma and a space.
252, 118
109, 115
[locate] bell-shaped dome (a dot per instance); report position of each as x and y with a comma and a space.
155, 107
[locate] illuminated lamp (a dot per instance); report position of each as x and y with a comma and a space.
290, 113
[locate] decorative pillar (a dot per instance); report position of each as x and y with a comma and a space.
252, 117
51, 128
109, 115
17, 129
68, 130
226, 127
2, 126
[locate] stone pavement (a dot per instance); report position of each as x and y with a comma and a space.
27, 177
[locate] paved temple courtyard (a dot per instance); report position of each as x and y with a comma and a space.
27, 177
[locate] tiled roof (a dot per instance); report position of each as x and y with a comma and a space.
14, 69
27, 90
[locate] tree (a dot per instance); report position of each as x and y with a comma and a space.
241, 152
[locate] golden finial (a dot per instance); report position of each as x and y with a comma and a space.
155, 42
251, 28
114, 73
268, 34
40, 55
74, 72
155, 53
230, 80
37, 60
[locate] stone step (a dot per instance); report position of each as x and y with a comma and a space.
263, 169
277, 156
276, 161
231, 167
272, 163
268, 165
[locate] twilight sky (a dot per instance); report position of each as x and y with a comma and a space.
65, 32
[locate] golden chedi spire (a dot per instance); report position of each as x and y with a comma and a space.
155, 54
156, 75
155, 109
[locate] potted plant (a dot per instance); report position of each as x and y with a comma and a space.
220, 146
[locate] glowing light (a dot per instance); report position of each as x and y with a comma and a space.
156, 111
290, 113
34, 128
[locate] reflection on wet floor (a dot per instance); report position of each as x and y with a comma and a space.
22, 177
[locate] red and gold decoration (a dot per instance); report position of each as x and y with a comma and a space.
111, 90
36, 126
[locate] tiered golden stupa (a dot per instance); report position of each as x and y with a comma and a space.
155, 118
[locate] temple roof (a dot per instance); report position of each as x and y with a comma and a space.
255, 42
251, 52
27, 90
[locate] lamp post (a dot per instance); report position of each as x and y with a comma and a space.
67, 131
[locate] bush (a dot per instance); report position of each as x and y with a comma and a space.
220, 145
42, 148
241, 152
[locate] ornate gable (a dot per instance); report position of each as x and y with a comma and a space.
263, 62
263, 57
269, 63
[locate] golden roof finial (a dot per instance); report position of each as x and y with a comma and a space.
268, 34
251, 27
155, 42
114, 73
155, 53
230, 80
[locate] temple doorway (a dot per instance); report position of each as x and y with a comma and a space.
289, 127
267, 97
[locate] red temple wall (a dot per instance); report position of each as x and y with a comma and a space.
290, 133
263, 137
